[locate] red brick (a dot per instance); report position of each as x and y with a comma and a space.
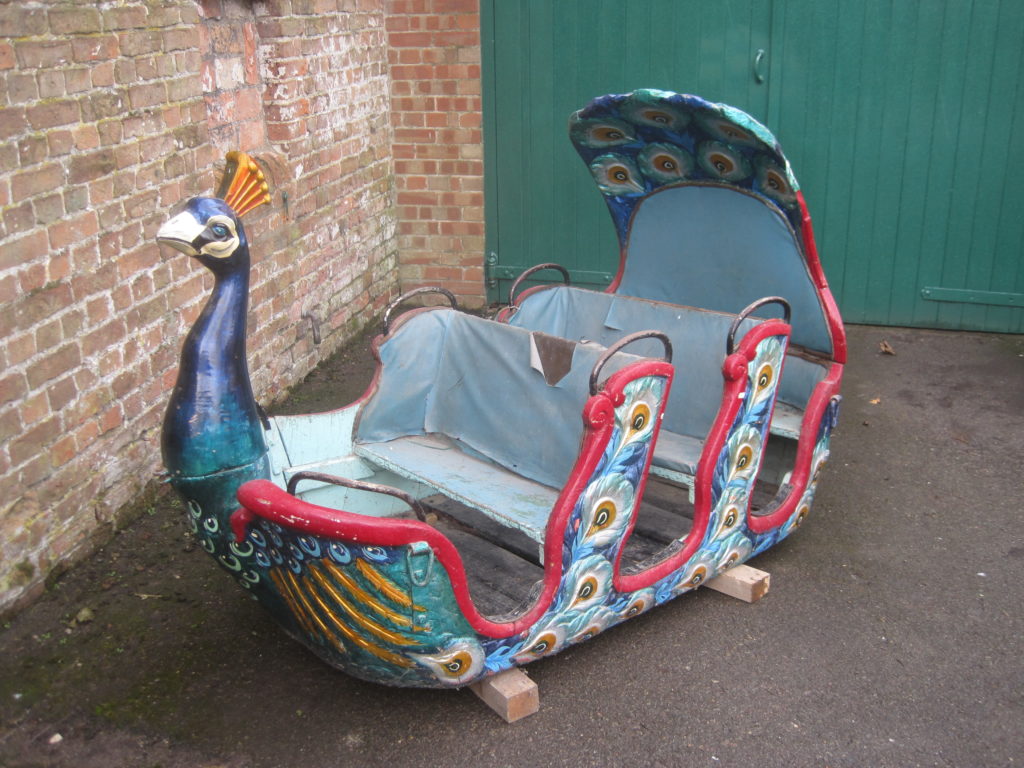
69, 231
147, 95
16, 20
94, 48
111, 419
124, 17
225, 39
61, 393
34, 441
10, 424
110, 132
85, 168
53, 114
18, 218
15, 252
63, 451
77, 20
12, 387
410, 39
210, 9
139, 42
102, 75
55, 364
31, 183
49, 335
12, 122
178, 39
37, 54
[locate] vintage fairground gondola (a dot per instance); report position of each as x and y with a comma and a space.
506, 488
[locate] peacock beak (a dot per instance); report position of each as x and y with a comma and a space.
180, 232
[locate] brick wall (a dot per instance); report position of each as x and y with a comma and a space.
434, 52
111, 113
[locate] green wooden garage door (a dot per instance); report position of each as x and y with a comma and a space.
904, 122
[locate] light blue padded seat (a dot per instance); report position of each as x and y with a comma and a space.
459, 408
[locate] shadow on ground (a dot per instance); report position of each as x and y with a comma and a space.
891, 635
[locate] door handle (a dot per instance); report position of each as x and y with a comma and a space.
759, 60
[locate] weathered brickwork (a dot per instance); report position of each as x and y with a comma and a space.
367, 116
434, 51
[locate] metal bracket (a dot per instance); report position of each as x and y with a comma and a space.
314, 322
419, 575
967, 296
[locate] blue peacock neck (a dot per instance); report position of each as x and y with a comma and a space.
212, 423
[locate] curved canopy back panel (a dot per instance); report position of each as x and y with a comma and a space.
720, 249
653, 153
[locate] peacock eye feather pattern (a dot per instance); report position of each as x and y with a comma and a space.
672, 139
460, 662
728, 514
665, 163
728, 130
617, 175
776, 182
764, 372
634, 604
655, 109
722, 161
602, 133
606, 506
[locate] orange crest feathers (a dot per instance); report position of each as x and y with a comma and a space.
243, 186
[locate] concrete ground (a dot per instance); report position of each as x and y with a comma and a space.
891, 635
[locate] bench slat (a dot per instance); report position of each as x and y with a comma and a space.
500, 494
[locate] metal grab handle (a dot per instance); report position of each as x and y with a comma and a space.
730, 342
386, 325
758, 63
617, 346
532, 270
358, 485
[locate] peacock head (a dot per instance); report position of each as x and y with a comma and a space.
210, 228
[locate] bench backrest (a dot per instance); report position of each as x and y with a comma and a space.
698, 340
470, 379
718, 248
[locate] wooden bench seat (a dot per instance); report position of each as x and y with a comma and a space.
438, 461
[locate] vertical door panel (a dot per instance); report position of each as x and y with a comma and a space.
548, 59
901, 121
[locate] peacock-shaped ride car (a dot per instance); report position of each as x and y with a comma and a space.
506, 488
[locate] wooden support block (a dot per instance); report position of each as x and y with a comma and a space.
511, 694
742, 582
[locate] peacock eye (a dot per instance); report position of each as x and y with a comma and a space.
220, 230
698, 575
722, 163
588, 588
746, 454
639, 417
773, 182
